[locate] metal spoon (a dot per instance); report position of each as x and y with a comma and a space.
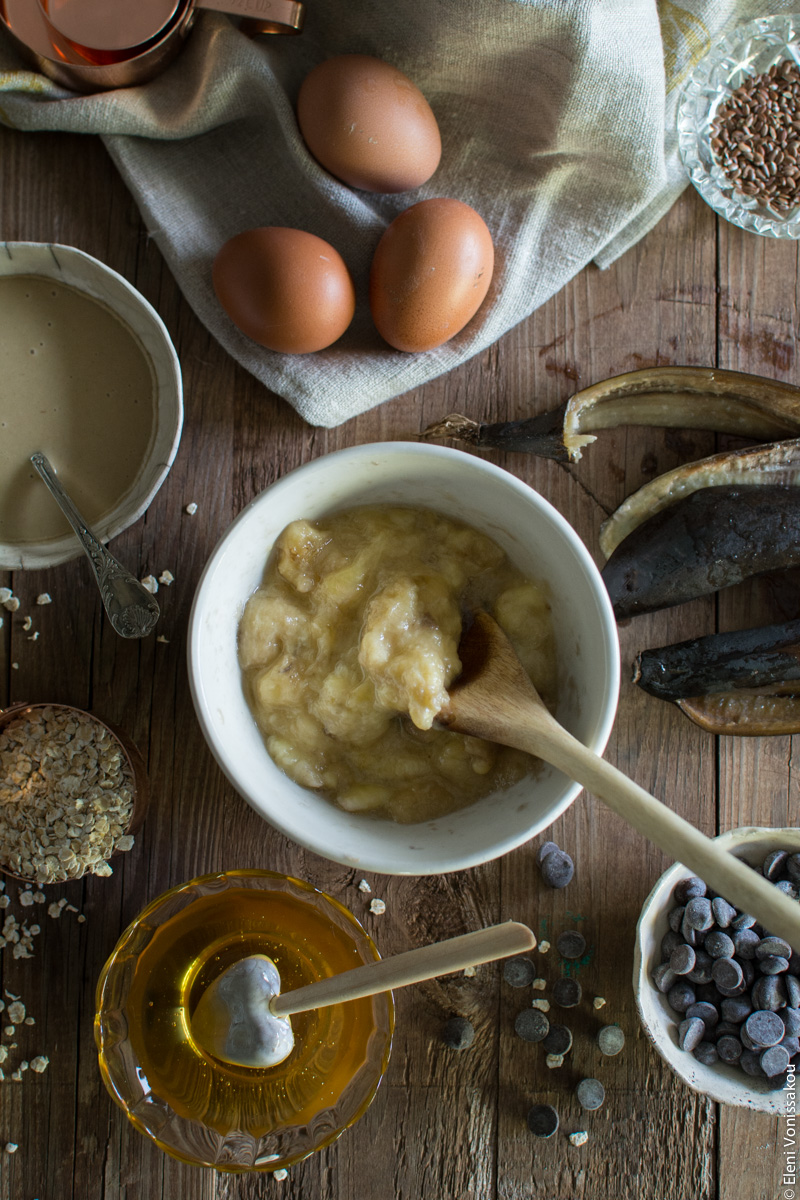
132, 610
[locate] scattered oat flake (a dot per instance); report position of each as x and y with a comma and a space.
164, 641
5, 594
191, 508
44, 598
166, 577
9, 1031
11, 1147
11, 604
27, 623
377, 906
544, 947
39, 897
469, 972
15, 666
80, 918
5, 901
280, 1174
579, 1139
364, 886
539, 984
542, 1005
599, 1002
150, 583
16, 1012
10, 995
554, 1060
3, 1053
62, 902
30, 1021
53, 910
26, 898
40, 1063
34, 636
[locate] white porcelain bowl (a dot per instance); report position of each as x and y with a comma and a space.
536, 538
721, 1082
67, 265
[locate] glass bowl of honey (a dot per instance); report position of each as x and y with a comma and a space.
212, 1113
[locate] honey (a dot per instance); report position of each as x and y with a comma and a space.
183, 955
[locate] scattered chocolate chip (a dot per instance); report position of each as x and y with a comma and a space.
590, 1093
558, 1040
531, 1025
571, 944
557, 868
542, 1120
610, 1039
519, 972
566, 992
458, 1033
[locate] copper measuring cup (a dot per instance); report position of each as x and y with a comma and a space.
136, 764
77, 44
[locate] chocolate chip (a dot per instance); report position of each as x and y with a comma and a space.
765, 1028
793, 868
723, 912
558, 1040
701, 971
769, 992
736, 1009
718, 945
772, 865
698, 914
681, 996
557, 868
728, 976
566, 992
675, 918
686, 889
531, 1025
458, 1033
664, 977
743, 921
545, 849
792, 1044
750, 1062
706, 1052
590, 1093
519, 972
670, 942
774, 965
772, 946
691, 1032
791, 1021
745, 942
611, 1039
729, 1048
542, 1120
682, 960
572, 944
706, 1012
792, 986
774, 1061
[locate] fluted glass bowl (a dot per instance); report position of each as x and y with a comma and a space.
197, 1108
751, 49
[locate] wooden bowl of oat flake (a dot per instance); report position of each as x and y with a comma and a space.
73, 792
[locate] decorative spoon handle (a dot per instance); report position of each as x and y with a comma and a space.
132, 610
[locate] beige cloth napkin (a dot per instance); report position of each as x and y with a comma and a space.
556, 127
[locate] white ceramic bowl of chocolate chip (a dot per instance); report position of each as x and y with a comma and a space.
735, 1013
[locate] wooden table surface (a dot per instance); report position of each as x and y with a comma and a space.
445, 1125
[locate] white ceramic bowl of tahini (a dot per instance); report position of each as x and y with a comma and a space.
538, 540
722, 1082
87, 441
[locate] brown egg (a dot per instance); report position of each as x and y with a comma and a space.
430, 273
368, 124
286, 289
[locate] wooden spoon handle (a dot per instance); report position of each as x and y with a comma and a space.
441, 958
721, 870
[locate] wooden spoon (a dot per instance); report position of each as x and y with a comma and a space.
494, 699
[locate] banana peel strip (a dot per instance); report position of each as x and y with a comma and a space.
731, 713
775, 463
686, 397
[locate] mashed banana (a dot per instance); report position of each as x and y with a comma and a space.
351, 642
